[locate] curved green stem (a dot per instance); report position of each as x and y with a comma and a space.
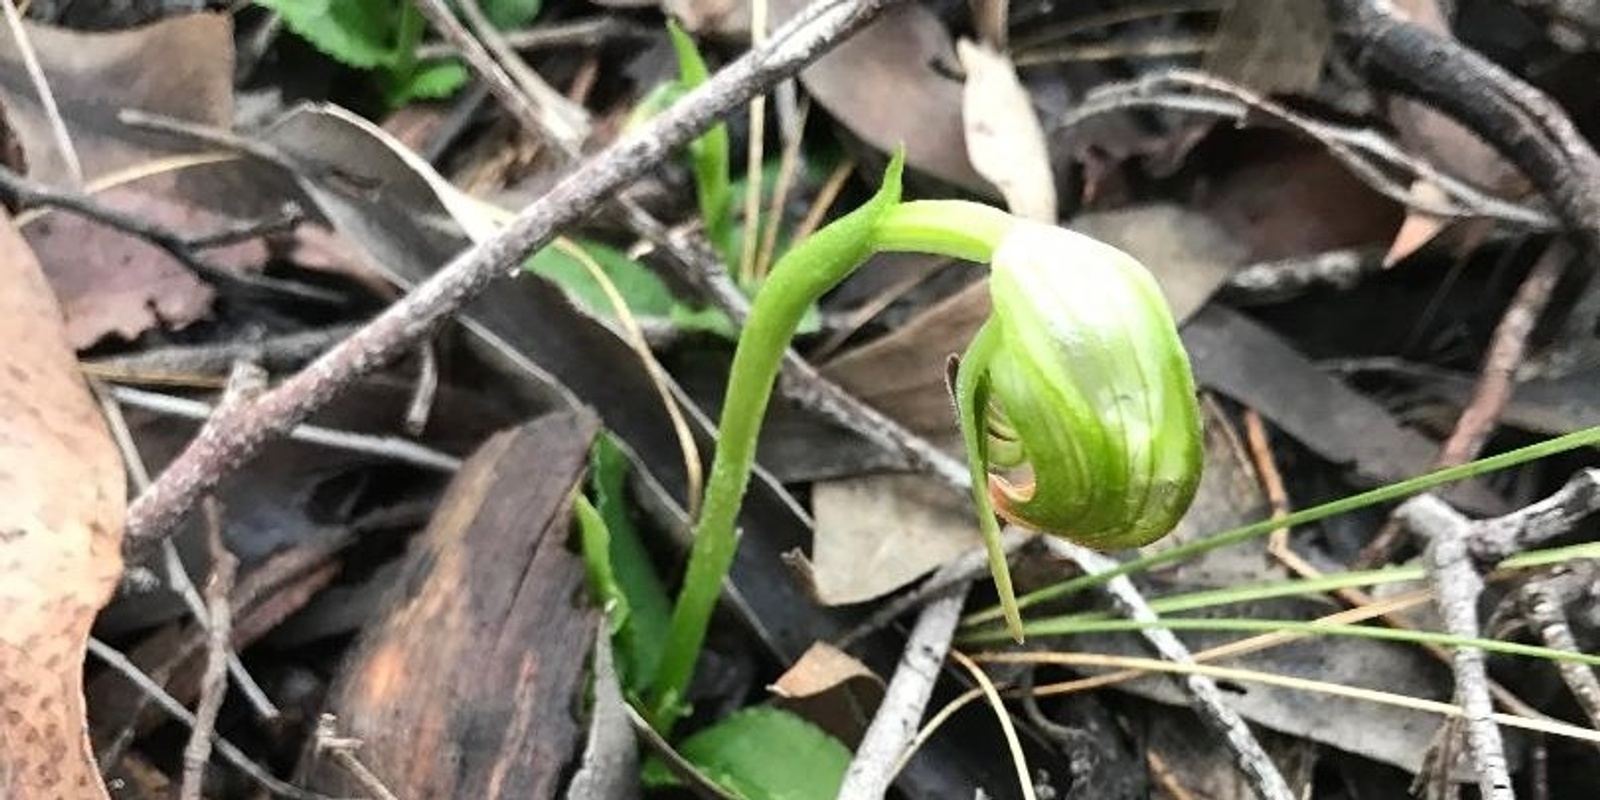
800, 278
954, 228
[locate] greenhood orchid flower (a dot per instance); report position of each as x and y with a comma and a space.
1079, 379
1075, 399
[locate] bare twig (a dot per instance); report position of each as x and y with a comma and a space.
342, 751
391, 447
1370, 156
576, 33
186, 363
1495, 381
1553, 516
536, 106
1248, 754
427, 387
177, 576
1456, 585
1518, 120
232, 438
895, 725
214, 682
226, 749
26, 193
47, 98
1542, 606
1506, 349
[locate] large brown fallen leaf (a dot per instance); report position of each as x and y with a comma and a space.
61, 505
885, 84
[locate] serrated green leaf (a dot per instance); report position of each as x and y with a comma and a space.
507, 14
634, 582
763, 754
360, 33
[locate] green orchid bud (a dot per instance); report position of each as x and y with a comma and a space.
1079, 378
1091, 375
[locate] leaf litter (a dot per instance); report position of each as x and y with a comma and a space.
1359, 380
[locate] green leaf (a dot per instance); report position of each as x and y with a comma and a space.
429, 82
360, 33
642, 290
595, 539
763, 754
709, 153
630, 580
507, 14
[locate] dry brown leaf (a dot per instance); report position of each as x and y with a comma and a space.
61, 505
1004, 139
833, 690
885, 85
877, 533
1447, 144
1271, 46
1283, 197
110, 283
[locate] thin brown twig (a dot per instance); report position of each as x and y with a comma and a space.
576, 33
342, 751
177, 576
532, 112
27, 193
1495, 383
1248, 755
261, 775
214, 681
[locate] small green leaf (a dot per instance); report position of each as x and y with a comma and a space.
508, 14
595, 538
633, 582
360, 33
643, 291
763, 754
430, 82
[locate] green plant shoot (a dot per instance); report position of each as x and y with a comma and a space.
1077, 381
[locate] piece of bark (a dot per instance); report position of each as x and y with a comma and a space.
468, 683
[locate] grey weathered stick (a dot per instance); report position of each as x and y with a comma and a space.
1542, 605
1456, 586
872, 769
1248, 754
1532, 525
234, 437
